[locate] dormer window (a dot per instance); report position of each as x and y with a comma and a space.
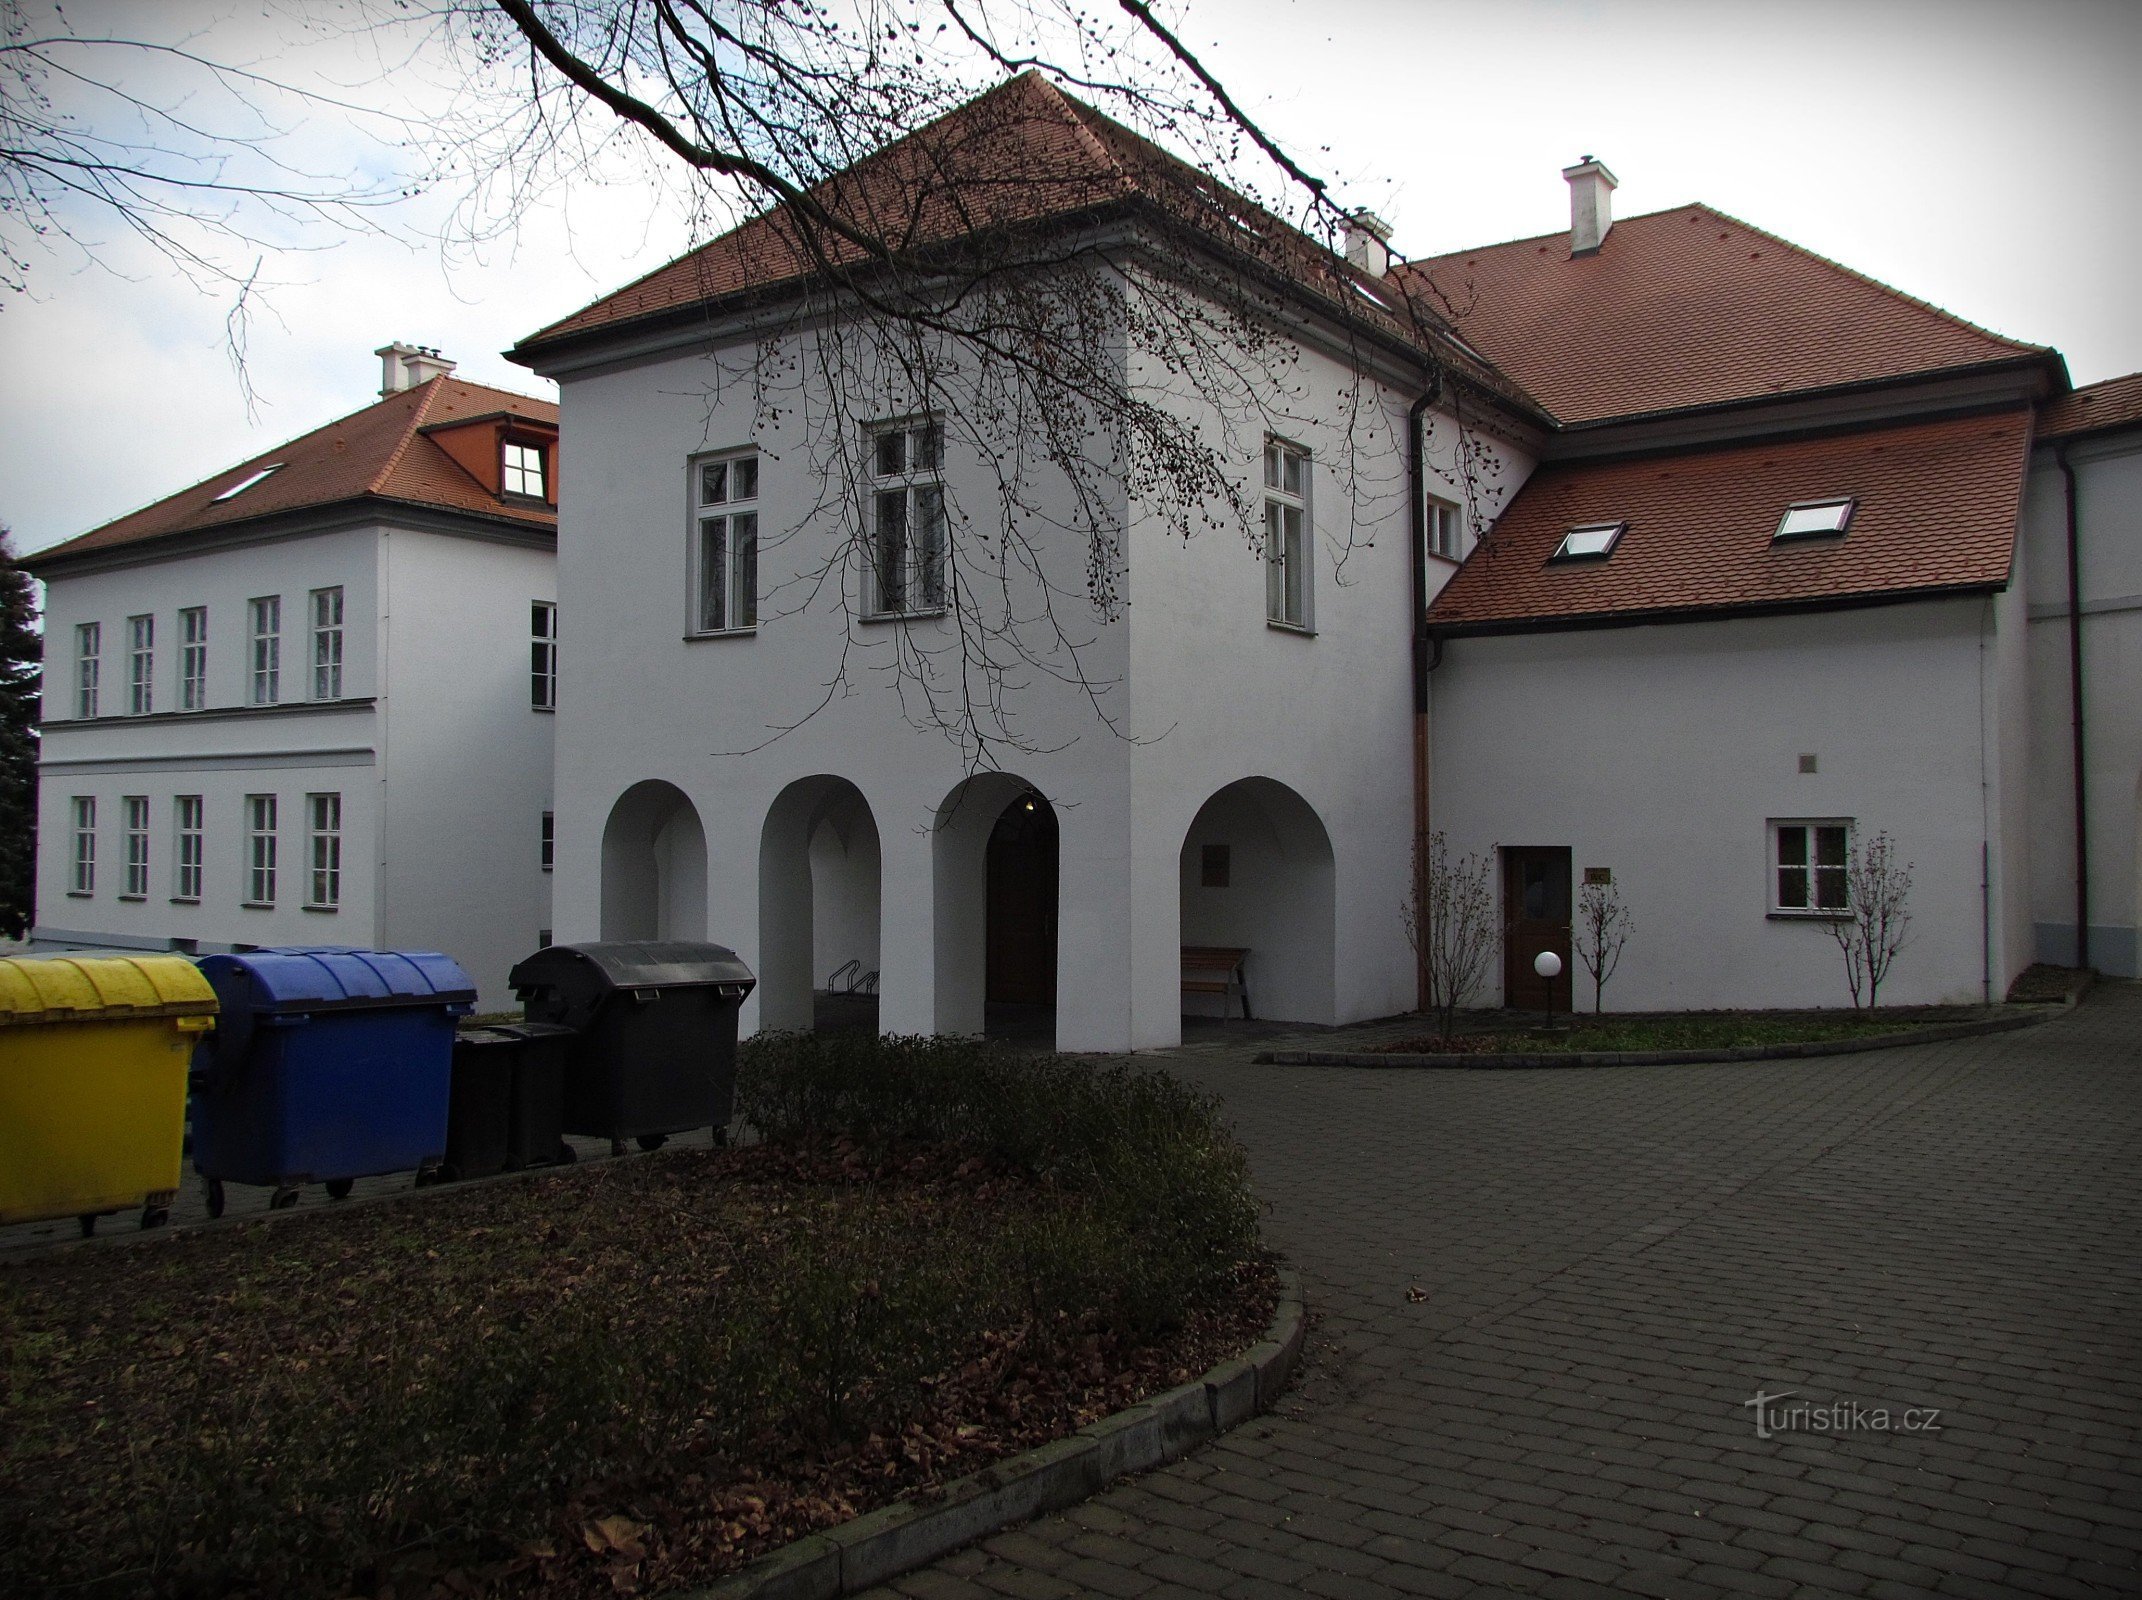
1814, 519
243, 484
521, 471
1589, 541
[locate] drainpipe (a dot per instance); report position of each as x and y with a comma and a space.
2075, 715
1416, 446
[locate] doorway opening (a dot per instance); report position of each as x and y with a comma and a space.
1021, 905
1535, 918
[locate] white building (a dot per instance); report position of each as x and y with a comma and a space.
1751, 582
309, 700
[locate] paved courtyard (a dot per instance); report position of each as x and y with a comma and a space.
1609, 1266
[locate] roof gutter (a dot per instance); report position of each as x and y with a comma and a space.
1663, 617
2075, 711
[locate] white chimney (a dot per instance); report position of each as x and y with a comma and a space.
1368, 243
404, 366
1591, 205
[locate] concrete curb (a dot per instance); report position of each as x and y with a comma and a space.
910, 1533
1931, 1033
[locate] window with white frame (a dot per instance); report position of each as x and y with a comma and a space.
82, 862
266, 617
1446, 530
134, 813
193, 658
327, 644
521, 470
725, 547
543, 655
260, 849
1286, 533
1808, 866
88, 666
140, 666
907, 519
186, 846
550, 839
323, 851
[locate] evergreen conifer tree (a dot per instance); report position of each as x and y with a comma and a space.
21, 673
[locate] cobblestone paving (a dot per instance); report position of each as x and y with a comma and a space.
1610, 1265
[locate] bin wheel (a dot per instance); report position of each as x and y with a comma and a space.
213, 1193
567, 1155
88, 1220
653, 1141
425, 1177
339, 1188
154, 1217
282, 1200
720, 1137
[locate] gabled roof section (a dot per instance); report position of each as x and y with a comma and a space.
1934, 509
2115, 403
1691, 308
377, 453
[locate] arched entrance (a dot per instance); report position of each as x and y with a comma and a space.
654, 866
820, 868
1257, 875
995, 872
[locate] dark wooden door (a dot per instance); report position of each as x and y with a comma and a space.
1535, 917
1022, 904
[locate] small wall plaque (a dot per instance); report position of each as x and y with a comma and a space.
1602, 875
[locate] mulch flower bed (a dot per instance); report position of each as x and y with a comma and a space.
603, 1381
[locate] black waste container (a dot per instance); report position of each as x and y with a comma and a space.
535, 1127
654, 1051
507, 1107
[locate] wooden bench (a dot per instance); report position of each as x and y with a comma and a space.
1216, 969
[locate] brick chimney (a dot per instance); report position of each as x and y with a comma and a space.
1368, 243
1591, 205
404, 366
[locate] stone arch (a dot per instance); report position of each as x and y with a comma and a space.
960, 859
820, 875
1269, 887
654, 865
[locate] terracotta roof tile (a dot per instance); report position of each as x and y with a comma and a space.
2115, 403
1937, 504
1690, 308
377, 452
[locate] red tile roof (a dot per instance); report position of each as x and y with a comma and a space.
377, 453
1937, 504
2115, 403
1690, 308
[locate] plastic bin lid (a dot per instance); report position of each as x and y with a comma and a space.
36, 989
327, 979
632, 964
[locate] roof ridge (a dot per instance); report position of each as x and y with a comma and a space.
1560, 233
428, 392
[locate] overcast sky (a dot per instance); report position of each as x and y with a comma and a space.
1978, 155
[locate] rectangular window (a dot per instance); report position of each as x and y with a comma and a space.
327, 644
543, 655
88, 666
1445, 530
323, 851
1808, 860
140, 666
136, 815
725, 557
260, 849
907, 520
82, 874
522, 471
550, 839
266, 616
193, 658
1286, 523
186, 846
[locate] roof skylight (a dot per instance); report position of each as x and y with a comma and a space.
1810, 519
243, 484
1589, 541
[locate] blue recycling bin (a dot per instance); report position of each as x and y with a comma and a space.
325, 1066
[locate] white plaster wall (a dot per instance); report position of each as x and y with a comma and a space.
846, 869
1662, 752
466, 763
2108, 474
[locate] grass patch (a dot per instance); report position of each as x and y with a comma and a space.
630, 1375
1720, 1032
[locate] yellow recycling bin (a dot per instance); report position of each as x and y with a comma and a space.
93, 1058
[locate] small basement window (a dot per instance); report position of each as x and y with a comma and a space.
1812, 519
1589, 541
243, 484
